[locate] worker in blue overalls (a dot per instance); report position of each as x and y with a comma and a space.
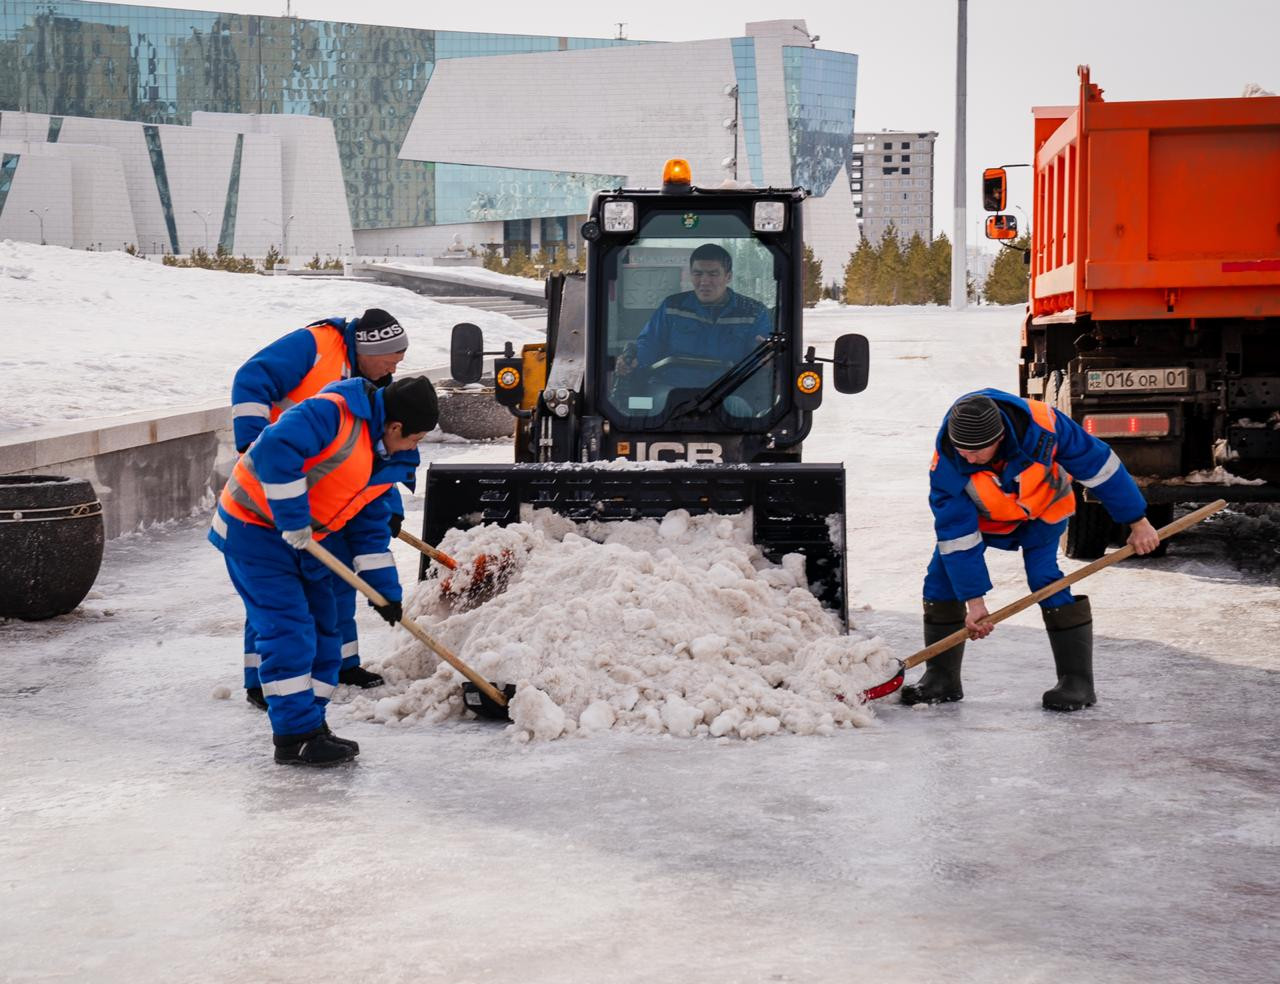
289, 370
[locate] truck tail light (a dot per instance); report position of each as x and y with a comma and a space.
1127, 424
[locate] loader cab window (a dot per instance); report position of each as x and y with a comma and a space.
691, 296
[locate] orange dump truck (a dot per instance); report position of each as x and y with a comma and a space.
1154, 308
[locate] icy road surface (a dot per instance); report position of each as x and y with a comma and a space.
145, 835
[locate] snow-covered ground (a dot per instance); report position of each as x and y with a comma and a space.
145, 835
89, 335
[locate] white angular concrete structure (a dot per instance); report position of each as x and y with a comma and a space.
232, 180
310, 177
82, 187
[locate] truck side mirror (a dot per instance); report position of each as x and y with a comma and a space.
466, 353
852, 362
995, 190
1002, 227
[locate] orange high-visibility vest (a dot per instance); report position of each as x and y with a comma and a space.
336, 479
331, 365
1044, 493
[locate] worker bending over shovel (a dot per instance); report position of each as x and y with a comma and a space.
1001, 477
326, 466
289, 370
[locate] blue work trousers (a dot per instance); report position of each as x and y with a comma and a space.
1039, 545
289, 599
344, 597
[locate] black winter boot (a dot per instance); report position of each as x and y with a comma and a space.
316, 748
358, 676
941, 681
254, 696
1071, 638
351, 743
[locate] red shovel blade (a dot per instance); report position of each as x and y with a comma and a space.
489, 576
882, 689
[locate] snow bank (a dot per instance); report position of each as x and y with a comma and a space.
474, 275
99, 334
679, 627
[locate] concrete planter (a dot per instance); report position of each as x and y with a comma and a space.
51, 539
472, 413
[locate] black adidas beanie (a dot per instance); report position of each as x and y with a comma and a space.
975, 423
412, 402
377, 333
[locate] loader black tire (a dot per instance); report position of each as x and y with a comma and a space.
1160, 514
1089, 530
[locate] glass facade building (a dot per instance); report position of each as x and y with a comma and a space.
820, 87
158, 65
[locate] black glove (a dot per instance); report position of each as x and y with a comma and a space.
391, 611
395, 525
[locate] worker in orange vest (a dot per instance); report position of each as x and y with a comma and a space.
289, 370
1002, 477
326, 468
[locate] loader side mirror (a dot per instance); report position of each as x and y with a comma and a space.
1002, 227
852, 362
995, 190
466, 353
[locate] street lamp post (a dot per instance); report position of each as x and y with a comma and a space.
284, 235
959, 258
40, 216
204, 217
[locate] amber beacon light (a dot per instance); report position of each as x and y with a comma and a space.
676, 176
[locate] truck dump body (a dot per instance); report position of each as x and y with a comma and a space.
1153, 316
1163, 209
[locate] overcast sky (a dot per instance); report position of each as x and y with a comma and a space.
1021, 53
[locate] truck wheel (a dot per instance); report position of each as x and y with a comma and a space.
1088, 531
1160, 514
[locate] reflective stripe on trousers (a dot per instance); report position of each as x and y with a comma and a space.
959, 543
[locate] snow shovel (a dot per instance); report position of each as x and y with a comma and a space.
492, 703
942, 645
489, 573
423, 547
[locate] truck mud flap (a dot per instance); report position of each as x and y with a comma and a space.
795, 508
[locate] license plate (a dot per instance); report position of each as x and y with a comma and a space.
1136, 380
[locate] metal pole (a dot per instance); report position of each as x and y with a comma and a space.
959, 246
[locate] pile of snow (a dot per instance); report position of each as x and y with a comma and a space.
1218, 475
93, 334
680, 626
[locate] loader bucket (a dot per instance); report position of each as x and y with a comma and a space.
795, 508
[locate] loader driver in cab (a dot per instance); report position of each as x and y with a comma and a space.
710, 327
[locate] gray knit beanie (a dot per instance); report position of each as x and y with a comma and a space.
975, 423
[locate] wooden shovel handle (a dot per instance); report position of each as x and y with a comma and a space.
428, 549
368, 590
942, 645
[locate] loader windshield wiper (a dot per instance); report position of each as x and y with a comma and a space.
717, 391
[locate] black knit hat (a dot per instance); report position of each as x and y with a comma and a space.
412, 402
975, 423
377, 333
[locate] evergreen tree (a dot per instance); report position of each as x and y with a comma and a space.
860, 274
519, 264
1007, 281
889, 269
939, 281
915, 283
812, 277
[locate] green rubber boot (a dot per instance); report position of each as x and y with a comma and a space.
941, 681
1071, 638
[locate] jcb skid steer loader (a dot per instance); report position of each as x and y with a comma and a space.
683, 347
